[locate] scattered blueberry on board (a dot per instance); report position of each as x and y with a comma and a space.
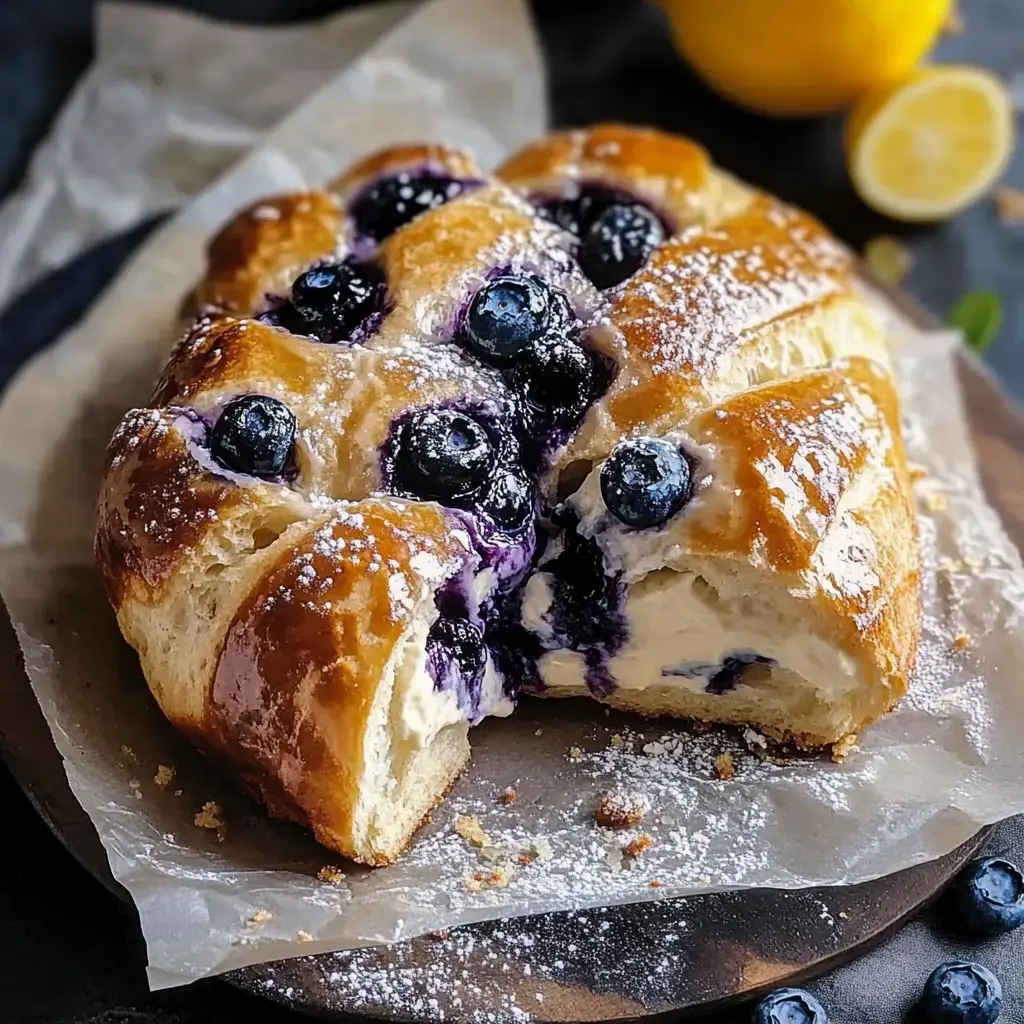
254, 434
989, 895
789, 1006
958, 992
645, 481
618, 243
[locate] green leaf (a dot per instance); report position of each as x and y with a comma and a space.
979, 315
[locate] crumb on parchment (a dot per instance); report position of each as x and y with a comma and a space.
136, 787
655, 884
724, 767
164, 775
844, 748
538, 849
498, 878
507, 796
621, 808
330, 873
638, 846
211, 817
128, 754
617, 741
467, 826
259, 918
961, 641
303, 936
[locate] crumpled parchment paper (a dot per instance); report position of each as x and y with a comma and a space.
245, 889
170, 101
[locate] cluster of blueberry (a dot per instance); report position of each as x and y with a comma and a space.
989, 895
476, 458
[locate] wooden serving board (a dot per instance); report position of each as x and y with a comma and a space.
680, 956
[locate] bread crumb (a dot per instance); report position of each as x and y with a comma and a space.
210, 817
499, 878
654, 885
888, 259
1009, 204
136, 787
618, 741
844, 748
700, 728
917, 473
961, 642
440, 935
303, 936
164, 775
469, 828
954, 24
128, 754
539, 732
935, 502
575, 753
539, 849
507, 796
331, 874
177, 792
724, 768
621, 809
493, 854
261, 917
843, 915
753, 739
637, 847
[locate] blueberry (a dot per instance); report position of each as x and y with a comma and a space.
990, 896
618, 243
444, 455
645, 481
575, 214
789, 1006
255, 435
732, 669
460, 641
388, 203
556, 380
331, 301
961, 993
506, 315
509, 500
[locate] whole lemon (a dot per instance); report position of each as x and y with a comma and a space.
803, 57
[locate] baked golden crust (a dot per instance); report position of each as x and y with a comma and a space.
275, 619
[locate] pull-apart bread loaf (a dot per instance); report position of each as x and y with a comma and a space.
607, 422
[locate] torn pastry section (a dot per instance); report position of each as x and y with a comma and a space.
297, 640
758, 565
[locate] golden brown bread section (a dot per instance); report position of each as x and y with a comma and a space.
281, 622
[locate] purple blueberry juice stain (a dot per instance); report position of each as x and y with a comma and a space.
720, 676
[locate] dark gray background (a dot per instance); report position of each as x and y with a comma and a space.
607, 59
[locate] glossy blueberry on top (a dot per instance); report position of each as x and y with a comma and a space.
506, 315
618, 243
958, 992
576, 213
333, 300
388, 203
556, 379
443, 454
789, 1006
508, 501
461, 642
645, 481
254, 434
990, 896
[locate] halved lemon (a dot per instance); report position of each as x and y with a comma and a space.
927, 148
